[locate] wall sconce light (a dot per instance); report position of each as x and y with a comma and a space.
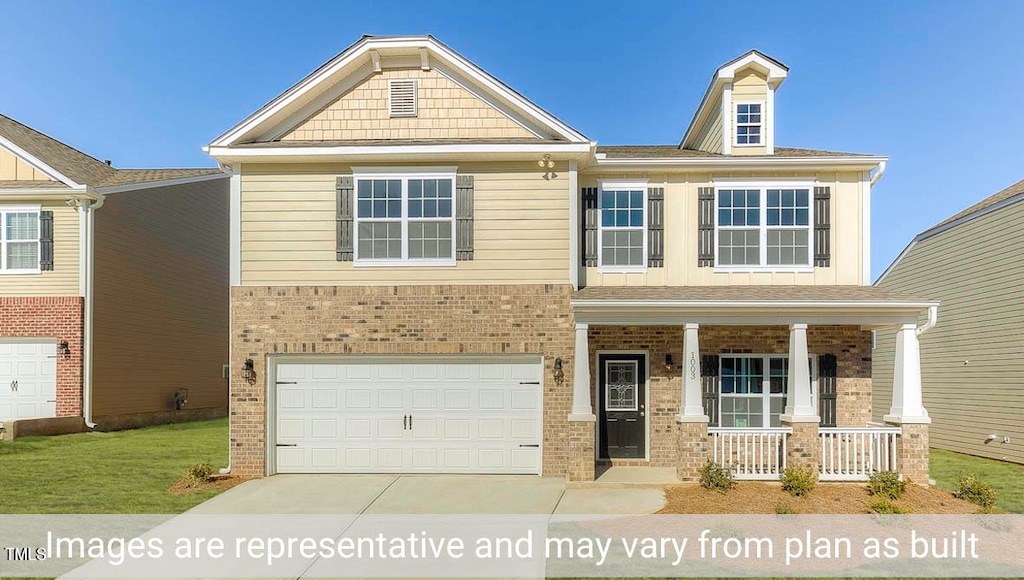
180, 399
64, 348
559, 373
548, 165
249, 372
668, 361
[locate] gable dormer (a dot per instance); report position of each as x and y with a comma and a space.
736, 115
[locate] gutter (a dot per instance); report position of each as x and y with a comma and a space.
933, 317
878, 174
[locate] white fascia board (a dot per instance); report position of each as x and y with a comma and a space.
161, 183
360, 50
37, 163
284, 153
738, 163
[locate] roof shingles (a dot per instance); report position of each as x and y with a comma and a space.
844, 294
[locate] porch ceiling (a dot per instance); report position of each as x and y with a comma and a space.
746, 305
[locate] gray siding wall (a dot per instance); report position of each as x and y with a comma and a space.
972, 361
161, 303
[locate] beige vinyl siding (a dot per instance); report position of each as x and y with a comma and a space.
161, 299
289, 229
445, 110
681, 237
709, 138
63, 279
749, 85
13, 168
972, 361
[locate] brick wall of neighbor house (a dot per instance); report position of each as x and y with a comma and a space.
850, 344
57, 317
512, 319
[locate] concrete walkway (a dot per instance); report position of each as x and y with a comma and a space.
426, 494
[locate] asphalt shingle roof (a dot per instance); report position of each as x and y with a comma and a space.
865, 294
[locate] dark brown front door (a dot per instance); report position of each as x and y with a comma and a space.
622, 398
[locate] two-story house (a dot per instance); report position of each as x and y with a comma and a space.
113, 290
430, 273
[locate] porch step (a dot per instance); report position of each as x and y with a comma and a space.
619, 477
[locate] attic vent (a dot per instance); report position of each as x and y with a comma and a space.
402, 98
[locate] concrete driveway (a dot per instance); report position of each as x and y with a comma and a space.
426, 494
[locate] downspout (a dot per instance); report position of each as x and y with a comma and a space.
933, 317
878, 174
87, 332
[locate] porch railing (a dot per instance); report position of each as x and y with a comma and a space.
750, 453
853, 454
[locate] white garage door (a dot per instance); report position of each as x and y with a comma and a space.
456, 415
28, 380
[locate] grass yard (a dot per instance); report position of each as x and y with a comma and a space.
118, 472
1008, 478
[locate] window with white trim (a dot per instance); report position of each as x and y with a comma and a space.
749, 123
405, 218
19, 239
753, 389
622, 226
763, 227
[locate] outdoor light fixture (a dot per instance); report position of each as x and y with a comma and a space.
548, 165
668, 361
559, 373
180, 399
64, 349
249, 372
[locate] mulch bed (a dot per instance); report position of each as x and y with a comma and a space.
750, 497
184, 485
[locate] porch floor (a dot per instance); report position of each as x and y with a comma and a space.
620, 477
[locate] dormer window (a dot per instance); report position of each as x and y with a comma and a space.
749, 124
402, 97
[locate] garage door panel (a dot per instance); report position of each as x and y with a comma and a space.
395, 417
28, 380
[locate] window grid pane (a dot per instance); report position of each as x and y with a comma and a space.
622, 208
622, 247
788, 247
430, 240
430, 198
379, 198
380, 240
22, 226
22, 255
748, 124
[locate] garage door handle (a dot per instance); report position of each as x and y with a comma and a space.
530, 383
287, 445
14, 386
531, 445
287, 382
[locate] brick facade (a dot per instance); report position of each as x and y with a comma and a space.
519, 319
59, 318
692, 449
582, 442
912, 450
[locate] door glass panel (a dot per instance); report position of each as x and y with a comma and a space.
621, 386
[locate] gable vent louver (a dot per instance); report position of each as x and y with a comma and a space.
402, 98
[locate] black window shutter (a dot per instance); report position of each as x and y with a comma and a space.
655, 227
827, 389
345, 218
589, 222
822, 226
464, 217
46, 240
705, 227
709, 382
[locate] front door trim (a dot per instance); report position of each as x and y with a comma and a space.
598, 400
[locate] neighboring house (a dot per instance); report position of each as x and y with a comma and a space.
113, 289
430, 273
973, 360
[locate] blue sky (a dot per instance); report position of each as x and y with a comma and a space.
935, 85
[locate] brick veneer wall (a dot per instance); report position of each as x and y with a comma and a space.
59, 318
510, 319
850, 344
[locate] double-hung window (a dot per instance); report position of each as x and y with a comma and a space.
405, 218
748, 124
622, 226
753, 389
19, 239
765, 227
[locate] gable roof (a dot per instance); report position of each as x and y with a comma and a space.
363, 58
999, 200
75, 169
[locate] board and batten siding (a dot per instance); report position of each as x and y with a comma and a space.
161, 301
521, 229
63, 279
750, 85
972, 361
681, 269
13, 168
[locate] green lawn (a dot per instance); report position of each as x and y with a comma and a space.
119, 472
1008, 478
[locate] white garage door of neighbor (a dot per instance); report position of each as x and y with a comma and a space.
28, 380
397, 416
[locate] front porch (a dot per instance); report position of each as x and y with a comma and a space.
752, 384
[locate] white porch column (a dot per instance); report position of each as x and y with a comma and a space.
581, 407
691, 404
907, 403
799, 406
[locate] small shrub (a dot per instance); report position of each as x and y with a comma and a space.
973, 490
716, 477
886, 484
198, 474
885, 506
799, 481
784, 509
